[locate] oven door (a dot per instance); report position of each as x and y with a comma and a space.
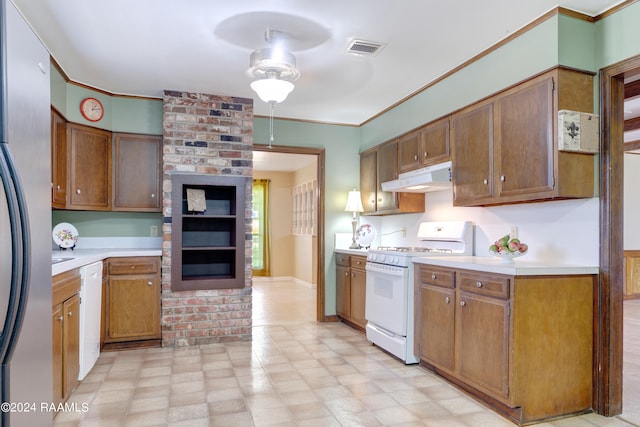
386, 297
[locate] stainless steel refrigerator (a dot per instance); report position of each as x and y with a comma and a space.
25, 224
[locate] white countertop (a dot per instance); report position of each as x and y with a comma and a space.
519, 266
361, 252
82, 257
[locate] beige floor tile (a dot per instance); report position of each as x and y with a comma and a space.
297, 372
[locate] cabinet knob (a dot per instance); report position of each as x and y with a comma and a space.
70, 314
462, 303
346, 274
58, 187
153, 196
426, 154
149, 283
78, 191
485, 181
478, 284
380, 199
60, 318
433, 276
447, 300
415, 157
502, 178
353, 275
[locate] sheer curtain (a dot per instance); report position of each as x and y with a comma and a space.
260, 228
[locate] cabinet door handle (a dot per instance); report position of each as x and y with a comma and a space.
502, 178
462, 303
447, 300
478, 284
485, 181
415, 157
149, 283
70, 314
58, 187
60, 318
346, 274
78, 191
426, 154
433, 276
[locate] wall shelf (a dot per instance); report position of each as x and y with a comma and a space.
208, 247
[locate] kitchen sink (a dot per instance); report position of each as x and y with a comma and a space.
57, 260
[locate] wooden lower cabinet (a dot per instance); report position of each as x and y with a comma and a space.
351, 289
521, 344
132, 308
65, 334
632, 274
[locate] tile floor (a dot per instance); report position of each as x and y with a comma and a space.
296, 372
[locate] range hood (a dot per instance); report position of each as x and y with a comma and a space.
430, 178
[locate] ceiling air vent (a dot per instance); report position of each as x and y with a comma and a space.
364, 47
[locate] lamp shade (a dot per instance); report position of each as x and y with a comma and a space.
354, 202
272, 89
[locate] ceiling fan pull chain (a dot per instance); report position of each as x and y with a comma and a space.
271, 105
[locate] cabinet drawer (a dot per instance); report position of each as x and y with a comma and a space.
436, 276
492, 286
142, 265
343, 260
358, 262
65, 285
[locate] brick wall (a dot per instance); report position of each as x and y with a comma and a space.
207, 135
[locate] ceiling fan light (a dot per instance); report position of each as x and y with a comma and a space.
272, 89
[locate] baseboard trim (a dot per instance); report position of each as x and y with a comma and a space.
283, 279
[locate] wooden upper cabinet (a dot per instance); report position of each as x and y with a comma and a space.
425, 146
473, 160
58, 160
519, 160
137, 172
90, 168
378, 165
524, 124
387, 167
368, 181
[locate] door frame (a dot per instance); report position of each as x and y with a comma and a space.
609, 305
320, 160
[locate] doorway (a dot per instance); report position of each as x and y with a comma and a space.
316, 252
609, 309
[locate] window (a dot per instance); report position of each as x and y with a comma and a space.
260, 228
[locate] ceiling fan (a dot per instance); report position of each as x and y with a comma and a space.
275, 70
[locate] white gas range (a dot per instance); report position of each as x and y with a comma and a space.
389, 284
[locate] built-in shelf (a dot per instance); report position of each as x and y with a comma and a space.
208, 250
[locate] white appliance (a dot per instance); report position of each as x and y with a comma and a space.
430, 178
90, 310
389, 301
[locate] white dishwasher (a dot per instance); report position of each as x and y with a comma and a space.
90, 313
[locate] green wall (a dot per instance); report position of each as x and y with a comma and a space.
121, 115
110, 224
559, 40
618, 36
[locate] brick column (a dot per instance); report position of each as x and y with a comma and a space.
205, 135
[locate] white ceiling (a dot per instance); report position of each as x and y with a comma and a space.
143, 47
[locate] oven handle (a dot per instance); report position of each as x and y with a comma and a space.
390, 270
